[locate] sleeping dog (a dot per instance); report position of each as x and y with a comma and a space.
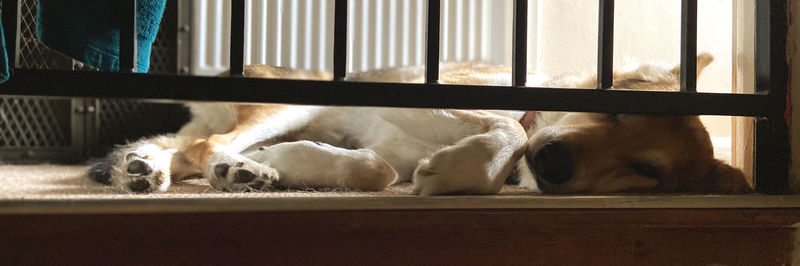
241, 147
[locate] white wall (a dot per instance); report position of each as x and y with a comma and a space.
645, 30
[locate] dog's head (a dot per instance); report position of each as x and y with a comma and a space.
606, 153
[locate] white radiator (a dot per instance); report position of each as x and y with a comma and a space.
381, 33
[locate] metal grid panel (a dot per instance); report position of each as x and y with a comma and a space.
34, 54
46, 124
163, 57
34, 122
119, 121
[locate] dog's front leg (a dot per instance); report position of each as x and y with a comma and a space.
220, 156
477, 164
307, 164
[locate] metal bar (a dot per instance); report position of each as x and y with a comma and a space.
237, 38
689, 45
772, 133
183, 56
605, 45
127, 36
340, 40
520, 49
96, 84
432, 43
11, 28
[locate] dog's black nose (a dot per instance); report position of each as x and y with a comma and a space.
138, 167
553, 163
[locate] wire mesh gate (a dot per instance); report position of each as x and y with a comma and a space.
63, 129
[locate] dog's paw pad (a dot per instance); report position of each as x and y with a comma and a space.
221, 170
100, 171
133, 155
139, 186
139, 167
242, 176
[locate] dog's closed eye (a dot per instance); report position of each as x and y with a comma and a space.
645, 169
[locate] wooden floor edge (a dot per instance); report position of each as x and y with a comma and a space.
196, 205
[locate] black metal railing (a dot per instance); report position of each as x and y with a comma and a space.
605, 45
767, 105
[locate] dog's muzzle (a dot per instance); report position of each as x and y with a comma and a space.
552, 163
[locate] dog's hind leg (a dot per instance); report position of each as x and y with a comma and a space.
307, 164
482, 149
219, 156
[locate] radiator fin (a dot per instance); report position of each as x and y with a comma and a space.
299, 33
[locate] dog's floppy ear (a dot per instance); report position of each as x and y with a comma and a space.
723, 179
703, 60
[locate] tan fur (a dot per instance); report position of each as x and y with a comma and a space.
247, 116
273, 72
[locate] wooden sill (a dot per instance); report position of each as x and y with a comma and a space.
317, 203
462, 230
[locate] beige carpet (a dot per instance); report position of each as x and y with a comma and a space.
52, 182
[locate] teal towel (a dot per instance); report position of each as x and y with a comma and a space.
88, 30
5, 70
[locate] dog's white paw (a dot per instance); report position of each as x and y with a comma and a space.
458, 169
236, 173
139, 168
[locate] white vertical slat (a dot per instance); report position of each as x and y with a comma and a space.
271, 49
533, 33
473, 20
326, 54
261, 29
446, 38
299, 36
422, 9
393, 31
459, 38
215, 16
371, 36
308, 18
352, 32
485, 26
284, 36
480, 19
279, 29
299, 33
223, 25
364, 30
248, 32
406, 37
199, 47
377, 33
293, 33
